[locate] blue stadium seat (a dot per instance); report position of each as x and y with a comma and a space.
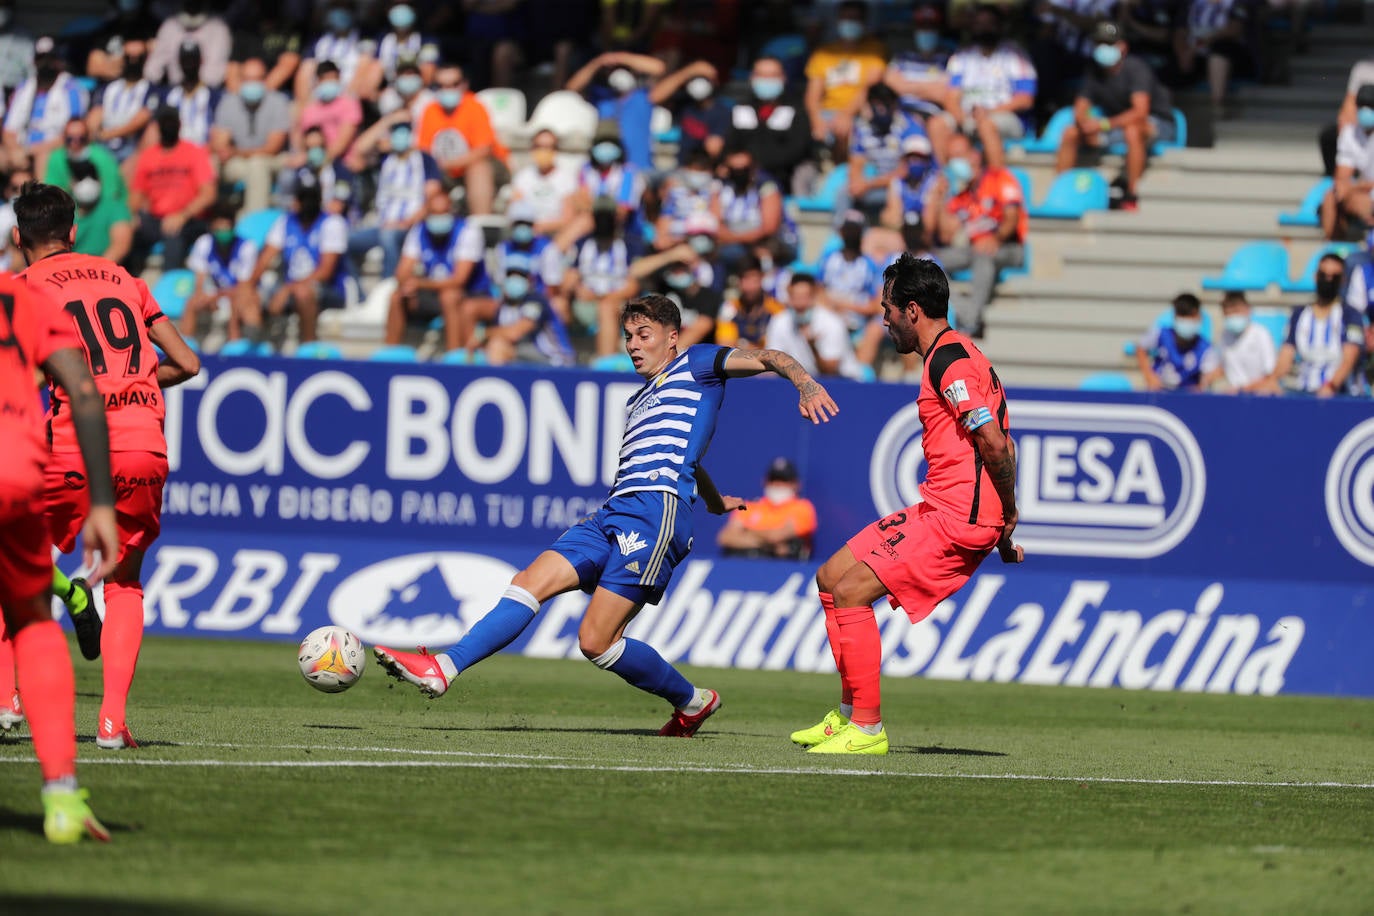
1024, 180
1159, 146
172, 290
824, 200
662, 127
619, 362
1275, 321
1166, 320
1106, 381
1309, 211
1306, 281
243, 347
1048, 141
318, 349
1253, 267
399, 353
461, 357
255, 226
1073, 193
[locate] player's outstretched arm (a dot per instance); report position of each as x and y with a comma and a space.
816, 404
181, 363
67, 367
716, 503
999, 457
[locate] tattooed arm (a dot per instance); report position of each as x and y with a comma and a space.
999, 457
816, 404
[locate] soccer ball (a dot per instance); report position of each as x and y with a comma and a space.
331, 659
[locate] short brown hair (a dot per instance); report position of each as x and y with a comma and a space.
654, 307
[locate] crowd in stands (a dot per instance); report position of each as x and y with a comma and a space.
177, 123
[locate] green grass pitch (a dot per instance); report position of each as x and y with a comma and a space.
540, 787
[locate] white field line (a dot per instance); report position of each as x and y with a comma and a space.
537, 762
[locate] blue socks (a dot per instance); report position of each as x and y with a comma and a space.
495, 631
641, 666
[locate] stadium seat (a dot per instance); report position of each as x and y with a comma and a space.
1306, 282
567, 114
172, 290
318, 349
1166, 320
1024, 180
245, 347
1159, 146
1048, 141
1309, 211
1073, 193
1275, 321
1106, 381
506, 108
398, 353
255, 226
1253, 267
1006, 273
662, 128
824, 200
619, 362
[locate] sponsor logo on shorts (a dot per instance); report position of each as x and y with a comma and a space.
632, 566
630, 542
1105, 480
1350, 492
75, 480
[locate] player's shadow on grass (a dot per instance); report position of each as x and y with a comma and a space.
48, 903
90, 739
947, 751
532, 729
341, 728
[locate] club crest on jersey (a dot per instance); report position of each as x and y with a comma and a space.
630, 542
956, 393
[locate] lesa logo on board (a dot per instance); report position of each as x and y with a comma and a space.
1350, 492
1104, 480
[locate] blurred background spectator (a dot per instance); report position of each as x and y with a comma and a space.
1177, 356
838, 74
1324, 340
1247, 349
174, 184
781, 525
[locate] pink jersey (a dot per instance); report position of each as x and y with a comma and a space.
959, 392
29, 334
112, 312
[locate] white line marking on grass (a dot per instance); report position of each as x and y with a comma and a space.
532, 762
375, 750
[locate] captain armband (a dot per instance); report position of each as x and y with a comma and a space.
976, 418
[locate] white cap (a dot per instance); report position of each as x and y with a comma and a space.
918, 144
521, 211
44, 45
701, 224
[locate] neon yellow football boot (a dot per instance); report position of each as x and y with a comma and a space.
67, 818
832, 723
852, 740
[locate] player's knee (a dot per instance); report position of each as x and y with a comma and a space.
829, 575
594, 645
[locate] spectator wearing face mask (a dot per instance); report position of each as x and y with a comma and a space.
748, 205
310, 245
875, 151
608, 176
545, 261
614, 84
839, 73
121, 109
743, 320
456, 130
813, 335
1177, 356
360, 73
919, 77
684, 193
779, 526
521, 324
1247, 349
406, 177
980, 223
1134, 107
128, 25
851, 284
773, 124
547, 185
1352, 192
1063, 46
174, 183
1324, 340
407, 91
701, 115
223, 265
194, 25
685, 275
442, 264
104, 225
192, 98
40, 108
77, 147
599, 280
404, 41
992, 86
312, 166
335, 112
249, 135
908, 195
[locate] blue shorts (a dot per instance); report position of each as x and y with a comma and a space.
631, 545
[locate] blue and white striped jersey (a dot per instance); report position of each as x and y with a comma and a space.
1319, 343
669, 423
223, 268
851, 283
119, 101
197, 110
401, 185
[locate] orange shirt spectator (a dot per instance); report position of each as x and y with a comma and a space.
170, 179
981, 206
445, 135
781, 525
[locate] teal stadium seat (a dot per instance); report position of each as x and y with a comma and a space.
1159, 146
1309, 211
1275, 321
824, 200
255, 226
1306, 282
461, 357
398, 353
1073, 194
1254, 267
172, 290
1048, 141
242, 347
618, 362
318, 349
1106, 381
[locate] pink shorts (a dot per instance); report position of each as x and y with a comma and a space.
922, 555
138, 481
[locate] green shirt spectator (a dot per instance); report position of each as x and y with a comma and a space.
107, 229
77, 147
